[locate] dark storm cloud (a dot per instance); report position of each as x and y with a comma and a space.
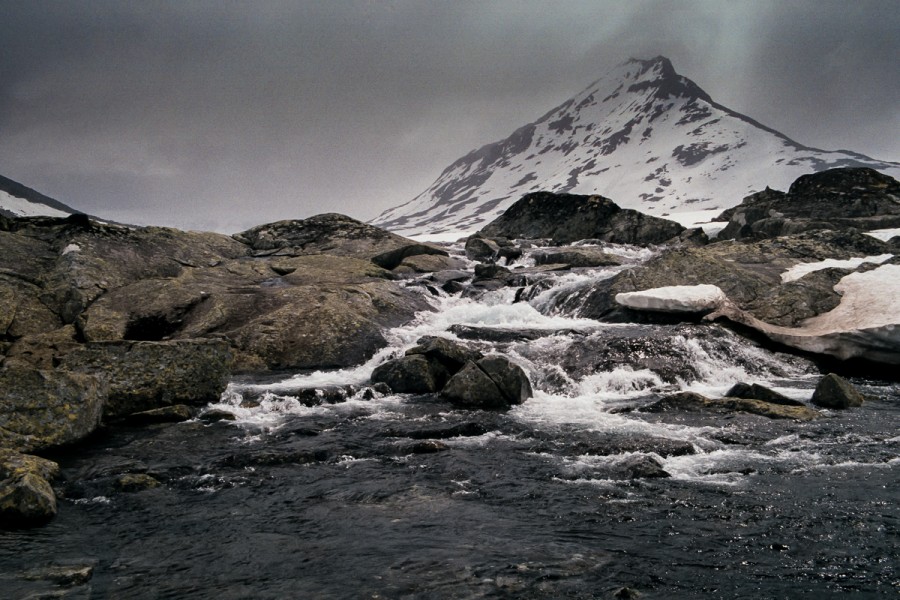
224, 115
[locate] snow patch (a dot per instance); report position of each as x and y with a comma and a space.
883, 234
675, 298
798, 271
70, 249
23, 208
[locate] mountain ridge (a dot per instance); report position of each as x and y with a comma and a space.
604, 141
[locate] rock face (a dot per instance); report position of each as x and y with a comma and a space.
834, 391
566, 218
834, 199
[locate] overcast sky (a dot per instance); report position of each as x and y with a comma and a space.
224, 114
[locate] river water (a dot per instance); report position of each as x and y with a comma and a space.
398, 496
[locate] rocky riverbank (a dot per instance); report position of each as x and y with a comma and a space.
100, 323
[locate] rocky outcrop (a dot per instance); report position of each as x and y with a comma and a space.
566, 218
861, 198
833, 391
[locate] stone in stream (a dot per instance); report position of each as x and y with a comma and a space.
413, 374
833, 391
692, 401
26, 497
754, 391
492, 382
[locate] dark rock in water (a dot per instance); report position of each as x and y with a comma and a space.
576, 257
62, 575
166, 414
468, 429
693, 401
500, 335
451, 355
136, 482
429, 263
566, 218
148, 375
833, 391
491, 272
754, 391
26, 497
834, 199
413, 374
626, 593
608, 444
42, 409
443, 277
422, 447
493, 382
644, 467
274, 458
481, 249
215, 415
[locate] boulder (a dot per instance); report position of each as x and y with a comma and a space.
576, 257
167, 414
449, 354
566, 218
833, 391
481, 249
754, 391
413, 374
136, 482
144, 376
26, 497
394, 258
691, 299
429, 263
491, 383
861, 198
41, 409
642, 466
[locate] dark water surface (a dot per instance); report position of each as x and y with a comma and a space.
332, 504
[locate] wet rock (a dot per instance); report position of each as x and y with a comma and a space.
275, 458
41, 409
576, 257
642, 466
754, 391
166, 414
214, 415
481, 249
449, 354
62, 575
833, 391
485, 274
835, 199
692, 401
136, 482
412, 374
500, 335
148, 375
468, 429
422, 447
566, 218
612, 444
26, 497
493, 382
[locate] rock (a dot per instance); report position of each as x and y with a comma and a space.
422, 447
136, 482
754, 391
443, 432
62, 575
693, 401
430, 263
834, 391
149, 375
26, 497
214, 415
412, 374
481, 249
449, 354
166, 414
42, 409
642, 466
394, 258
43, 350
566, 218
861, 198
493, 382
576, 257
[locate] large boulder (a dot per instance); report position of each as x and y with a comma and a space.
566, 218
576, 257
834, 199
833, 391
41, 409
413, 374
26, 497
149, 375
494, 382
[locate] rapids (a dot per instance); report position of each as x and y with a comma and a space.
362, 494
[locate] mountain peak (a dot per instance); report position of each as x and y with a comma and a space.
643, 135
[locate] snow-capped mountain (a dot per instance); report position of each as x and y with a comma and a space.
643, 135
16, 200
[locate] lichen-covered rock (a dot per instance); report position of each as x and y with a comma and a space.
566, 218
41, 409
136, 482
148, 375
833, 391
26, 497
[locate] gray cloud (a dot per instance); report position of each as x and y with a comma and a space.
214, 115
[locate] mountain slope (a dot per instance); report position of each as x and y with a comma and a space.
16, 200
643, 136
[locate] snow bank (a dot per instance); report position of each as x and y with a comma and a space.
23, 208
798, 271
883, 234
675, 298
